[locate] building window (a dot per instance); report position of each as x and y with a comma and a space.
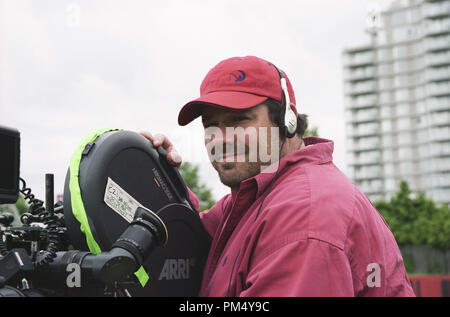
401, 66
401, 81
385, 111
401, 95
405, 153
442, 194
387, 140
386, 126
402, 109
385, 97
404, 123
404, 138
440, 149
406, 168
422, 136
388, 155
389, 184
385, 83
385, 69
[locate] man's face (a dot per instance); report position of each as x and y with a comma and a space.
237, 156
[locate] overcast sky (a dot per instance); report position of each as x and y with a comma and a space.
70, 67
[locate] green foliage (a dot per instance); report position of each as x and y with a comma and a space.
311, 132
20, 204
189, 173
408, 260
415, 219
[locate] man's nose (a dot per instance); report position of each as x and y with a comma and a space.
221, 134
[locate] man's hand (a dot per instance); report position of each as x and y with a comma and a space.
161, 140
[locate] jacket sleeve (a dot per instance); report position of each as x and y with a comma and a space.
306, 267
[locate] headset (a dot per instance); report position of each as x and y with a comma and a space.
288, 129
290, 119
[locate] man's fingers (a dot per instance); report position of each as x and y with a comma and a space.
162, 140
158, 140
173, 157
147, 135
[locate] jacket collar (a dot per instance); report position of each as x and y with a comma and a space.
316, 151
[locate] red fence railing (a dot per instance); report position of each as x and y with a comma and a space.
431, 286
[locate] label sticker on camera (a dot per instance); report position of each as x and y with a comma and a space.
120, 201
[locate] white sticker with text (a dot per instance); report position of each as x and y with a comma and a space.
120, 201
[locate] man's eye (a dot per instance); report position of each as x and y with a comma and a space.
209, 124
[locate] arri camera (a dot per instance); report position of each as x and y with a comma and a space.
126, 226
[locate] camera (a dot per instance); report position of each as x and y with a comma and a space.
125, 227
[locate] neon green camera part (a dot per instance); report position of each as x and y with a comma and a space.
77, 202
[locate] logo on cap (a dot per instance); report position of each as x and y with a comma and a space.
238, 78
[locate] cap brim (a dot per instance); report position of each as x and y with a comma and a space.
232, 100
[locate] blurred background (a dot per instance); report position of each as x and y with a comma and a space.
70, 67
373, 76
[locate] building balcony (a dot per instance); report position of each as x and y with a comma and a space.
437, 27
365, 144
365, 130
437, 59
437, 43
365, 115
437, 74
359, 73
359, 59
361, 88
439, 165
439, 149
365, 158
440, 180
436, 10
438, 104
439, 134
438, 88
363, 101
439, 118
371, 187
368, 172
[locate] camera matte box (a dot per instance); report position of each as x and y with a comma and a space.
119, 171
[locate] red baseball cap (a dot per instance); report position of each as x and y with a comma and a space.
237, 83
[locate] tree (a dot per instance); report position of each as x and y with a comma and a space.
311, 132
189, 173
20, 204
415, 219
17, 209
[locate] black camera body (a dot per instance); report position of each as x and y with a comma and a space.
9, 165
126, 226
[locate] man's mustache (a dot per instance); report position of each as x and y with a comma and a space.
219, 151
241, 145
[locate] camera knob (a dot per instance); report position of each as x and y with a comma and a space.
6, 219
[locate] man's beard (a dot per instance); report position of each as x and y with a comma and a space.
231, 174
237, 162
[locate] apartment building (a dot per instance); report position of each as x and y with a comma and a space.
397, 102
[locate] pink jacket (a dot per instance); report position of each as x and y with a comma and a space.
316, 234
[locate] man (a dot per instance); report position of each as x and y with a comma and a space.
293, 226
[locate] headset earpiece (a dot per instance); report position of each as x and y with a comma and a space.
290, 119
